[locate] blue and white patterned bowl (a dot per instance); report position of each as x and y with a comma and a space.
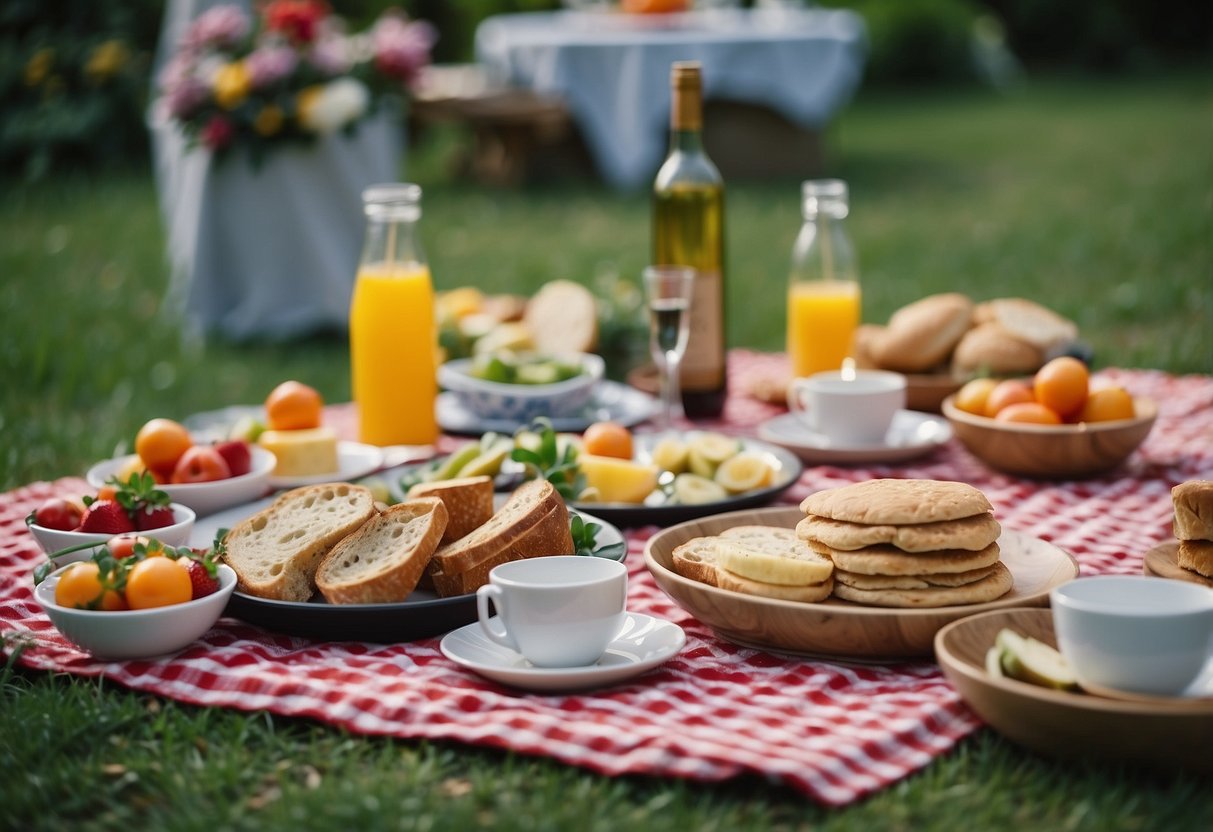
523, 402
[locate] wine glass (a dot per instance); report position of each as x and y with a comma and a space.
667, 290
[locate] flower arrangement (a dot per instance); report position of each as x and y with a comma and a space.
291, 73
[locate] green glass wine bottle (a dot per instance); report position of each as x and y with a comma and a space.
688, 230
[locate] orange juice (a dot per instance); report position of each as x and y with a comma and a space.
392, 354
822, 317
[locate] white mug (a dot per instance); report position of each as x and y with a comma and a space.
1134, 633
854, 407
556, 611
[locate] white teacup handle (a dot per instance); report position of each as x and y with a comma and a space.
797, 407
501, 636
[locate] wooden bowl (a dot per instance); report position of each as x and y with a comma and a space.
1157, 733
1051, 451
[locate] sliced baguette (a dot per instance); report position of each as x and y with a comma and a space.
382, 561
468, 500
275, 552
529, 503
550, 536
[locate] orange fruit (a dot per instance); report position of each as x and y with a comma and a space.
158, 582
161, 442
1007, 393
1106, 404
973, 396
1061, 385
292, 405
80, 588
1028, 412
608, 439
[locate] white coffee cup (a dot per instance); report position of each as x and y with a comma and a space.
556, 611
1134, 633
848, 407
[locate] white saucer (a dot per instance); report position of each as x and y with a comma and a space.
911, 435
644, 643
354, 460
613, 402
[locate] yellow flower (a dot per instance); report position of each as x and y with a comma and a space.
106, 60
306, 101
232, 85
39, 66
269, 120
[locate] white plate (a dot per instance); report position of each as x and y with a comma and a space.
203, 497
612, 402
644, 643
911, 435
354, 460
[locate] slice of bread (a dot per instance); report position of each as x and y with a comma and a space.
1197, 556
382, 561
563, 317
696, 560
275, 553
550, 536
468, 500
1028, 321
529, 503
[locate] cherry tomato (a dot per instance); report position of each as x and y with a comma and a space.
1061, 385
123, 546
158, 582
80, 588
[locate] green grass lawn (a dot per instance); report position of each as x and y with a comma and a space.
1094, 197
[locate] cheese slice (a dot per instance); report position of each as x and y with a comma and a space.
302, 453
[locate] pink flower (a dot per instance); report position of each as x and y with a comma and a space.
401, 48
331, 55
218, 133
181, 91
219, 26
268, 65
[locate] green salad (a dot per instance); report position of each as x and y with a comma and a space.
509, 368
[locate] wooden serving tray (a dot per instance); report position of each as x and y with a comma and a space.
1162, 561
835, 628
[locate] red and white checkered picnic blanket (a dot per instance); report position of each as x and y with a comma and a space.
835, 731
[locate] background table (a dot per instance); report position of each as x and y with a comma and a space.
834, 730
612, 70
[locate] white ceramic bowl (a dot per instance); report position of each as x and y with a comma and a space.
52, 540
492, 400
203, 497
1134, 633
136, 634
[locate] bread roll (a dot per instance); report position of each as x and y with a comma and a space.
921, 336
1193, 510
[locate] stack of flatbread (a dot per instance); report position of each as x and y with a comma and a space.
907, 543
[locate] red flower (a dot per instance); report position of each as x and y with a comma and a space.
299, 20
218, 133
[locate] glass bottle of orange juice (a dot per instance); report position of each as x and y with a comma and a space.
392, 332
823, 291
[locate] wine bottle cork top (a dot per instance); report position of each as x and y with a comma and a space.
685, 74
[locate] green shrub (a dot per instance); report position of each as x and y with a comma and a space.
915, 41
73, 82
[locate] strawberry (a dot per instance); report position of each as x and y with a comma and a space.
153, 517
106, 517
204, 577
